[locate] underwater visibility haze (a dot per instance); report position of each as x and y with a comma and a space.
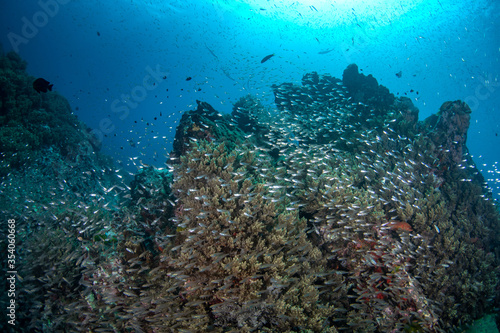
250, 166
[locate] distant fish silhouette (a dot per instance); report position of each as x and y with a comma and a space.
266, 58
325, 51
399, 74
42, 85
212, 52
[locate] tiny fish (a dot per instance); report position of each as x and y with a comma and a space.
325, 51
266, 58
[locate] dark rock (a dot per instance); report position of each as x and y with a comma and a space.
366, 89
448, 130
204, 123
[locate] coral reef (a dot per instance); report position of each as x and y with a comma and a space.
365, 89
448, 130
339, 211
57, 187
31, 122
204, 123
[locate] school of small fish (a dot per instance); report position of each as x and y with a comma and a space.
328, 213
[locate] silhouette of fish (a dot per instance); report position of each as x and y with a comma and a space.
325, 51
266, 58
42, 85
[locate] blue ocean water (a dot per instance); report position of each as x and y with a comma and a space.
131, 69
97, 53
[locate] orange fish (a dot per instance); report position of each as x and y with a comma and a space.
398, 225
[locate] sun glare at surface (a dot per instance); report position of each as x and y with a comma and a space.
333, 13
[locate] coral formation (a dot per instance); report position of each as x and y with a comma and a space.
448, 130
366, 89
205, 123
31, 122
343, 213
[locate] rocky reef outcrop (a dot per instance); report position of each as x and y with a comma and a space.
337, 211
32, 122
